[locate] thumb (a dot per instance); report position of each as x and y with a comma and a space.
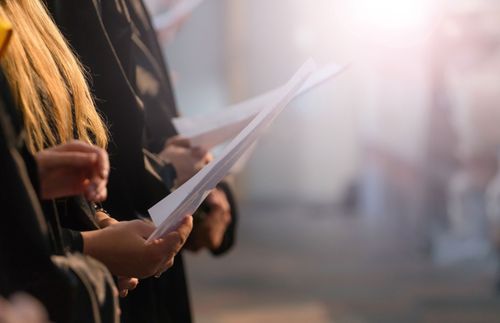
184, 228
199, 152
143, 228
179, 141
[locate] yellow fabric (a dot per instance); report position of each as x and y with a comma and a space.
5, 34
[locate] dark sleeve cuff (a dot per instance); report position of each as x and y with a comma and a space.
32, 168
73, 240
230, 234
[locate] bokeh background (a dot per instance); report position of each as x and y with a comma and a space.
374, 198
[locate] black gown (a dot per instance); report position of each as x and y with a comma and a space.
112, 43
32, 250
151, 81
148, 75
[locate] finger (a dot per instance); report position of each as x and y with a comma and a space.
97, 191
179, 141
94, 189
143, 228
211, 198
169, 245
214, 242
127, 283
217, 199
102, 163
80, 146
227, 218
96, 196
69, 159
199, 153
76, 146
101, 195
133, 283
185, 228
224, 201
90, 192
215, 213
102, 192
166, 264
165, 249
209, 157
172, 242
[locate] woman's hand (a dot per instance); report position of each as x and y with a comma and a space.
187, 160
125, 284
122, 247
209, 232
72, 169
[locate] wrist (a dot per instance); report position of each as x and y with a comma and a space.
88, 243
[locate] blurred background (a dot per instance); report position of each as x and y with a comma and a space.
374, 198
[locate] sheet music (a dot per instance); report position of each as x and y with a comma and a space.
170, 211
208, 131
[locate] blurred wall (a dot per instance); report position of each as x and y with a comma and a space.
232, 50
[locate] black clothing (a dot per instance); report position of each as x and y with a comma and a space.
115, 41
70, 292
132, 189
151, 81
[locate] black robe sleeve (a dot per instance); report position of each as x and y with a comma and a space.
132, 188
70, 293
25, 261
151, 81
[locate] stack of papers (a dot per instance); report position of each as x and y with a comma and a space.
208, 131
170, 211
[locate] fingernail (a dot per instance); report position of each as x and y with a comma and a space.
92, 188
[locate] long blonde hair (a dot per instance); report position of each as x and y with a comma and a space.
47, 80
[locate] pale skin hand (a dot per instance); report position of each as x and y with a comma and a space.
209, 233
186, 160
125, 284
72, 169
122, 247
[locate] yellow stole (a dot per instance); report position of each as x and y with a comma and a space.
5, 34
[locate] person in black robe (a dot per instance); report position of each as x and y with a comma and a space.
151, 80
27, 262
148, 74
104, 35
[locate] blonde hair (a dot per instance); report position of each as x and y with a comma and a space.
47, 80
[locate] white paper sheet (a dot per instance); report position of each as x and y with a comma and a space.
174, 15
170, 211
208, 131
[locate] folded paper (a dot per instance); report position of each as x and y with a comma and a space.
170, 211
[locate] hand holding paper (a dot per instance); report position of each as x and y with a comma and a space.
187, 198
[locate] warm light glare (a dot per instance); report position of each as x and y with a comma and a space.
390, 19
